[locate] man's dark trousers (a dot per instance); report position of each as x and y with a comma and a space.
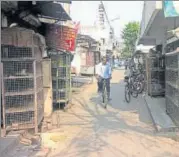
107, 84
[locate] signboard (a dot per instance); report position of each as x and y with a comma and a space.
171, 8
61, 37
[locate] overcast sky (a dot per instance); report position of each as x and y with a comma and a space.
86, 12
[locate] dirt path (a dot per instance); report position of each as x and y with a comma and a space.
123, 130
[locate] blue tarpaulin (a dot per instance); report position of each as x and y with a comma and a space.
171, 8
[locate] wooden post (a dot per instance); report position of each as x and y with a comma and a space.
47, 87
35, 99
3, 101
70, 90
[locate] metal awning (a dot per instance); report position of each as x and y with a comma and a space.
87, 42
85, 38
46, 9
29, 14
52, 11
157, 29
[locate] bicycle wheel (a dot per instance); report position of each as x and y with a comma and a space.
138, 87
134, 92
127, 94
104, 95
142, 83
141, 87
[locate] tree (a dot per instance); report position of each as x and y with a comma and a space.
129, 36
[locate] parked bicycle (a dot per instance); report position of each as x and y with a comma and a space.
138, 77
141, 77
140, 81
130, 88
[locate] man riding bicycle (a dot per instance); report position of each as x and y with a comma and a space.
103, 73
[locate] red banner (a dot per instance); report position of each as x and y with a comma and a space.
62, 37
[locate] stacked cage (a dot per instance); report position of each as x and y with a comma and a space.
172, 85
22, 85
156, 74
1, 78
61, 78
144, 69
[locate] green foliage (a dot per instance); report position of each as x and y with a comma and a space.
129, 36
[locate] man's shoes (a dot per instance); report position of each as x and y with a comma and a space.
109, 99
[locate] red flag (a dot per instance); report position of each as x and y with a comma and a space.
71, 44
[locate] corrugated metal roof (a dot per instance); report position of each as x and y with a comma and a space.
27, 14
9, 5
85, 38
53, 10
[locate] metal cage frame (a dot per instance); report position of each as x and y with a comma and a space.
22, 96
61, 77
172, 85
156, 74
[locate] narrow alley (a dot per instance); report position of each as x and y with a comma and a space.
121, 130
89, 79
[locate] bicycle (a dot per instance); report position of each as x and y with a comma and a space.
104, 93
140, 81
139, 78
129, 89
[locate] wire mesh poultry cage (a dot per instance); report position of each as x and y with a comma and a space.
156, 74
22, 94
61, 78
172, 85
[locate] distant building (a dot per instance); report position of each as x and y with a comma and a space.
87, 55
101, 32
101, 17
99, 35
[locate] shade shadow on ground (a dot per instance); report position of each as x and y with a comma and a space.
101, 131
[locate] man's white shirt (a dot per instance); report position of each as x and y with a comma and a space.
104, 70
